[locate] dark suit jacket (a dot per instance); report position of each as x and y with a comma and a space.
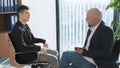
23, 41
101, 45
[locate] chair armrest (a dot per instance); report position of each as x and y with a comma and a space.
25, 52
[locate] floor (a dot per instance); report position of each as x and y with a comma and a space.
8, 66
4, 63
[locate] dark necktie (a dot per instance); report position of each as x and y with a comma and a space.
88, 34
28, 30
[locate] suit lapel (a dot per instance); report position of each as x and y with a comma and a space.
98, 28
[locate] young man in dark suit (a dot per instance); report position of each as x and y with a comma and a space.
24, 41
97, 48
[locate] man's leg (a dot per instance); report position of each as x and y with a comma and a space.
52, 59
53, 52
71, 58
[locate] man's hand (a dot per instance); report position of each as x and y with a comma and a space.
43, 51
79, 50
45, 45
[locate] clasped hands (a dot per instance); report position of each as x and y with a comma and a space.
43, 49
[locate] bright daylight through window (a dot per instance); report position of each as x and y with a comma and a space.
73, 26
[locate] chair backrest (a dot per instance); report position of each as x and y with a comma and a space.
116, 51
111, 62
24, 57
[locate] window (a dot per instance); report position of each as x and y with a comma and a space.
72, 24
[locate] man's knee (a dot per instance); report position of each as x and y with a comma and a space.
67, 53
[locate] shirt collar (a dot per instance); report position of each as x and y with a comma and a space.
95, 27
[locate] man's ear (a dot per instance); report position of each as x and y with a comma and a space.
20, 13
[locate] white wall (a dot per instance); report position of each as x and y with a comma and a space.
43, 19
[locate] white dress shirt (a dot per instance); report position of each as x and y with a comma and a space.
93, 29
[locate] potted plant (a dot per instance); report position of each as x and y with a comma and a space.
115, 4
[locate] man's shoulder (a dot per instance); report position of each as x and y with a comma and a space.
108, 28
103, 26
18, 27
105, 29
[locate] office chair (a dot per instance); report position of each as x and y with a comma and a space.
116, 52
113, 60
28, 58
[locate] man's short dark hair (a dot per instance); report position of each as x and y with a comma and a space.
22, 8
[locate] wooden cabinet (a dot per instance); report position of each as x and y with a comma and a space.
6, 48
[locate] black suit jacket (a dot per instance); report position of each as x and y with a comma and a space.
24, 41
101, 45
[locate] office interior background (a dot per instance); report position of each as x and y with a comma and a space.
62, 22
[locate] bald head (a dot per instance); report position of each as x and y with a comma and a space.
93, 17
96, 13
